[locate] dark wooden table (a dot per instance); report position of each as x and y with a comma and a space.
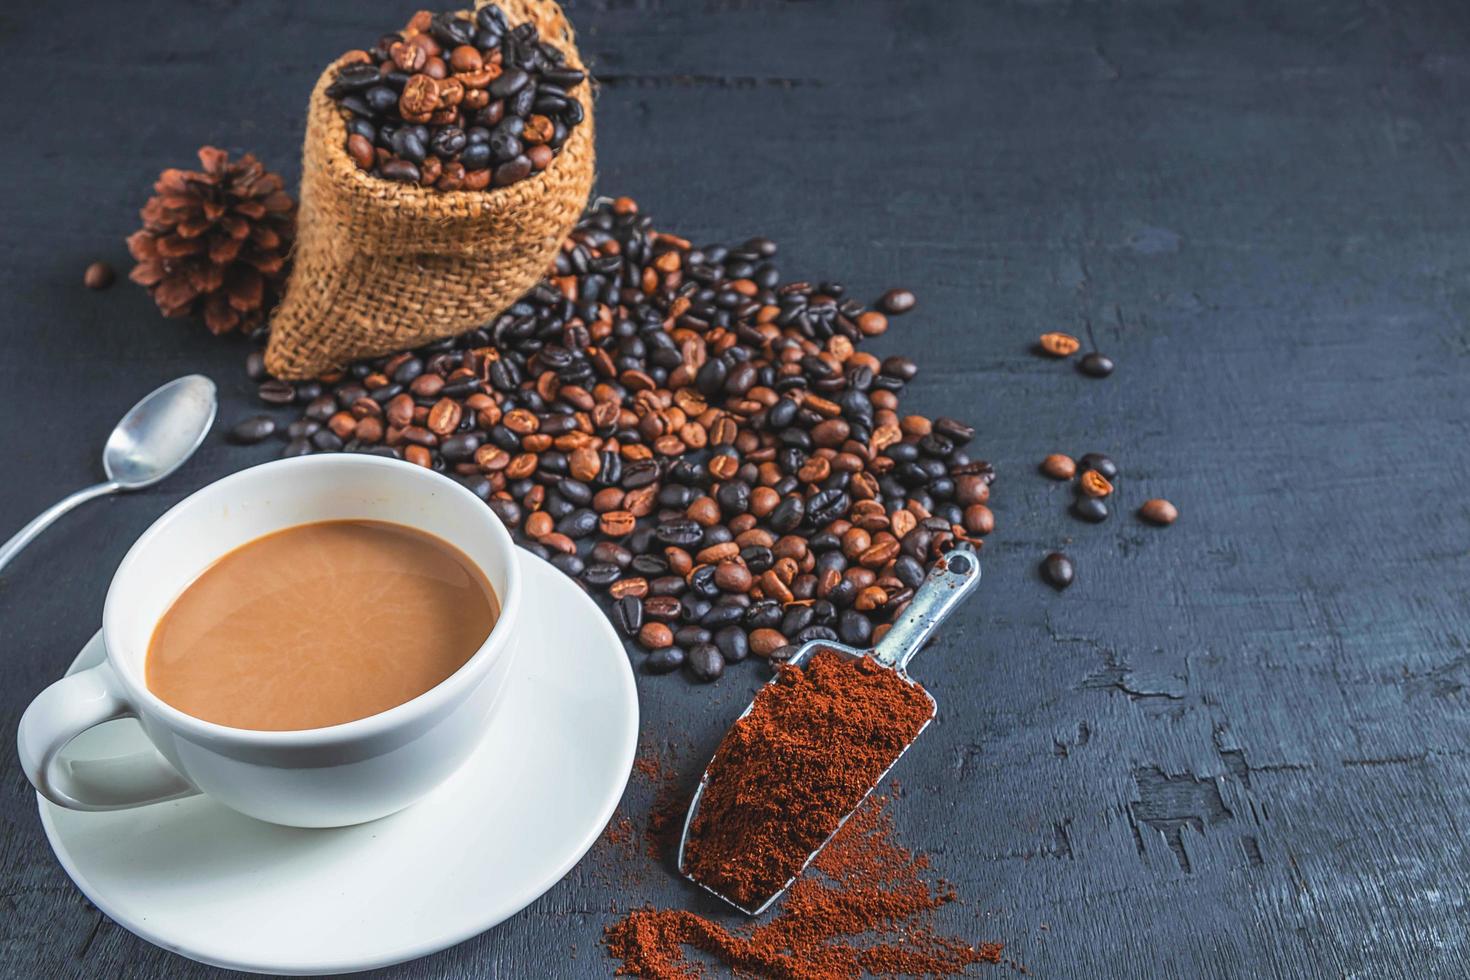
1237, 747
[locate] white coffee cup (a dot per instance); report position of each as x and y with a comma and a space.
323, 777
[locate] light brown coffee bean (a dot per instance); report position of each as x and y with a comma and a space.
617, 523
1059, 467
1159, 511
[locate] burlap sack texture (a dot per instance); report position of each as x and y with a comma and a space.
381, 266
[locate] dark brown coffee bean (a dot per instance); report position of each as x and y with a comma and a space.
628, 614
1090, 509
1096, 365
252, 430
732, 643
896, 302
274, 392
99, 275
1058, 570
664, 660
705, 662
1101, 463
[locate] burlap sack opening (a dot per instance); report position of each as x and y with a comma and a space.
381, 266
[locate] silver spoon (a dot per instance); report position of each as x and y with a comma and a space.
155, 438
952, 578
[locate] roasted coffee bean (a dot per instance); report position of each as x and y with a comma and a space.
296, 447
909, 571
722, 613
795, 619
578, 524
978, 519
764, 642
326, 440
896, 302
1059, 467
628, 614
681, 532
654, 635
1090, 509
692, 608
1100, 463
99, 275
1093, 484
1058, 570
732, 642
688, 636
706, 663
788, 515
1058, 344
1096, 365
664, 660
733, 576
274, 392
1158, 511
252, 430
569, 565
854, 628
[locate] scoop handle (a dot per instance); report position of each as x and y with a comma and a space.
952, 578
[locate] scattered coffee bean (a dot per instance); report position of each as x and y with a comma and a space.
1094, 484
99, 275
896, 302
249, 431
1058, 570
1058, 344
1090, 509
1059, 467
1158, 511
1101, 463
1096, 365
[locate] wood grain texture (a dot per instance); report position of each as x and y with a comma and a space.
1236, 747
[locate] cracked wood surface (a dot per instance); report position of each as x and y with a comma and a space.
1236, 747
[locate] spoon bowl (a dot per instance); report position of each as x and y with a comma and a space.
153, 439
160, 433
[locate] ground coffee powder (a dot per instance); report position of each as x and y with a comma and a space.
865, 907
814, 743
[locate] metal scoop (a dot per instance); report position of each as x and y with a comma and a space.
953, 577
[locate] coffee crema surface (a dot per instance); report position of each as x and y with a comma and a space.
320, 624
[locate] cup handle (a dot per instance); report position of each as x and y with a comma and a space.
63, 711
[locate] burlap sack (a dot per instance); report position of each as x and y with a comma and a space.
381, 266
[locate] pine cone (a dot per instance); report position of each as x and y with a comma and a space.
215, 240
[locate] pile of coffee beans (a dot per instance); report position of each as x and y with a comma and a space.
674, 427
457, 102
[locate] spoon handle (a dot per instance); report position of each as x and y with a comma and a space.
951, 579
43, 520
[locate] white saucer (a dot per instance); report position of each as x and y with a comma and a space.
224, 889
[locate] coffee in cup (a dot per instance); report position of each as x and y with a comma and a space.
318, 625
